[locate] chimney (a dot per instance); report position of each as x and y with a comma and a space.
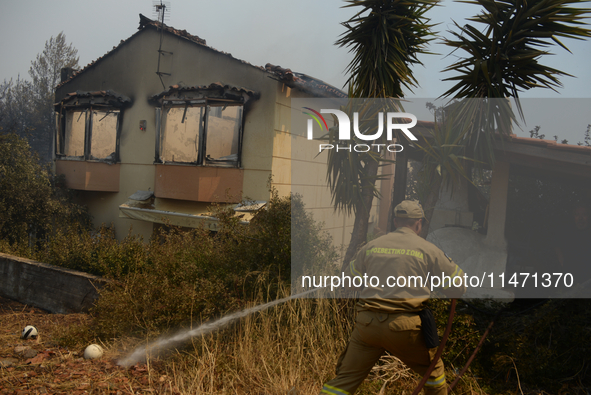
67, 73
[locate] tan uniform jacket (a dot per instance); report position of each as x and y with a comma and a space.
404, 263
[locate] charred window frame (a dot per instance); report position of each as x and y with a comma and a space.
200, 133
88, 126
201, 126
89, 134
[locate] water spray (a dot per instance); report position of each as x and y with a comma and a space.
167, 342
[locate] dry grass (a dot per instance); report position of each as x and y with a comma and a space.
288, 349
291, 347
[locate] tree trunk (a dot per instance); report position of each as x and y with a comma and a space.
399, 188
361, 224
430, 202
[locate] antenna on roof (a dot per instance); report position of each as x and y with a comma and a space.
160, 11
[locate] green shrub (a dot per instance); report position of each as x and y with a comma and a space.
546, 343
535, 344
97, 252
33, 201
465, 334
312, 252
193, 275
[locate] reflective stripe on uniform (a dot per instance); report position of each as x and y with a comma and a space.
329, 389
457, 273
439, 381
354, 271
460, 273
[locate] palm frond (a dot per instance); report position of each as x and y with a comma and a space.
444, 152
386, 37
347, 173
502, 59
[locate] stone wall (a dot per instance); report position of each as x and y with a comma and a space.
52, 288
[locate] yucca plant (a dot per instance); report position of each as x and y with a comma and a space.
386, 37
502, 59
347, 176
444, 157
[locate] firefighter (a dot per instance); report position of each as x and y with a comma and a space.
392, 316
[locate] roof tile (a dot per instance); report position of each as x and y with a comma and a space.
550, 144
308, 84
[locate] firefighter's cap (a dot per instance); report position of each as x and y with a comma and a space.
409, 209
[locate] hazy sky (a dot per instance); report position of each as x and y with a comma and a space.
299, 35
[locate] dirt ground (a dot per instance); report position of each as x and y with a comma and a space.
45, 366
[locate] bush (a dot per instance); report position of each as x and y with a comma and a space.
535, 344
178, 276
97, 252
545, 343
33, 201
312, 253
187, 276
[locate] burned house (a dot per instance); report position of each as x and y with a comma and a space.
163, 125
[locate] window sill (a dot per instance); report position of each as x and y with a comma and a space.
89, 175
72, 158
81, 159
227, 165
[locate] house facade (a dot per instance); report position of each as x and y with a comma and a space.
163, 125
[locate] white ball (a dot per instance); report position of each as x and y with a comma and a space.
30, 332
93, 351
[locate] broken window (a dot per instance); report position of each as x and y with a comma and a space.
88, 125
196, 133
74, 136
223, 132
201, 125
103, 141
89, 134
181, 139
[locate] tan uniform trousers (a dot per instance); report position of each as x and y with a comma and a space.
374, 332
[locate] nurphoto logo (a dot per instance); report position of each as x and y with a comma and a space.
344, 124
